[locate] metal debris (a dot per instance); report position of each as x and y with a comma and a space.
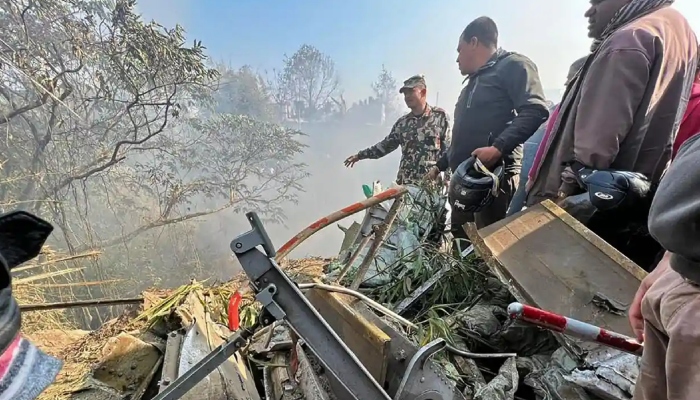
503, 386
312, 381
610, 305
608, 374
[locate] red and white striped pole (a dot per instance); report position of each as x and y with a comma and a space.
354, 208
573, 327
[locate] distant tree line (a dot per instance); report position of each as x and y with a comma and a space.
308, 87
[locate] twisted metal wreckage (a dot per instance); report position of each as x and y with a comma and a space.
321, 341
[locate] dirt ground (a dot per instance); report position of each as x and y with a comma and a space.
81, 350
54, 341
80, 355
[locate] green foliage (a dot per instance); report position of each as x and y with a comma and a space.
244, 92
117, 131
250, 162
145, 56
88, 82
460, 288
385, 88
308, 81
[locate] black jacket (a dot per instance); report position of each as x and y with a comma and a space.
502, 105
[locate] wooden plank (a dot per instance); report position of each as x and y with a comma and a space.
553, 262
369, 343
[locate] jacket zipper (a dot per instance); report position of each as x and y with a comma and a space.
471, 94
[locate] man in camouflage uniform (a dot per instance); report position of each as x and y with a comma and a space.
423, 134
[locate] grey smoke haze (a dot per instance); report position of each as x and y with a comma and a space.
330, 187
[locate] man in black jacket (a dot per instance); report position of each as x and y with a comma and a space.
501, 106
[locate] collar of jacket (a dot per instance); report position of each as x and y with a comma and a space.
490, 63
426, 112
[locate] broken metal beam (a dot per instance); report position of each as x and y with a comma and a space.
380, 234
80, 303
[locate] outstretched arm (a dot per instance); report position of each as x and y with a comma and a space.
390, 143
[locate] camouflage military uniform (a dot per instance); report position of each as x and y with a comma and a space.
423, 140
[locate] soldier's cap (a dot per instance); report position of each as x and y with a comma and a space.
413, 82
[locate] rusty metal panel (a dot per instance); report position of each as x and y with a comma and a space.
553, 262
366, 340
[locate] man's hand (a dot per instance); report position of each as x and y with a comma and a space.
350, 161
635, 313
489, 156
432, 174
561, 196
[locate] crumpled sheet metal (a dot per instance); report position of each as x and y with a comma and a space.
545, 375
610, 305
608, 374
313, 383
503, 386
194, 348
421, 208
605, 374
416, 217
400, 245
489, 323
275, 337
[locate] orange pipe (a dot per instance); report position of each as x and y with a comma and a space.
299, 238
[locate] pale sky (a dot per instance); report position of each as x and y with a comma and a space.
408, 36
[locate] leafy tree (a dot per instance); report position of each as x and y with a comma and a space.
116, 129
308, 81
385, 87
244, 92
85, 85
385, 90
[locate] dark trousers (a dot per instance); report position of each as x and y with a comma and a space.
628, 233
495, 212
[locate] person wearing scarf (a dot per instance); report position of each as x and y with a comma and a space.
623, 109
25, 371
621, 112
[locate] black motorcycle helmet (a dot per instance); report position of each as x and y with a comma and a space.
617, 190
473, 186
